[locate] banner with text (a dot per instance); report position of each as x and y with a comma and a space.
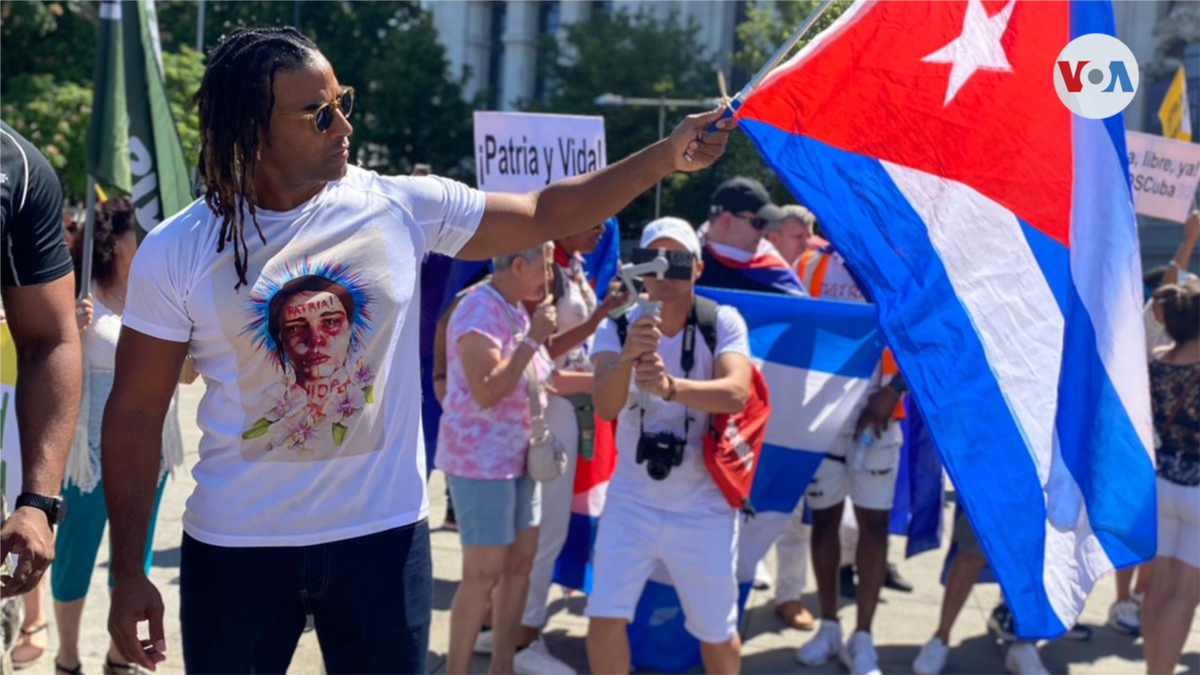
1165, 173
520, 152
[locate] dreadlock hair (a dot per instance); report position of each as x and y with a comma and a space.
235, 101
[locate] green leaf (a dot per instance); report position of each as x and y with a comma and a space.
260, 427
369, 393
339, 433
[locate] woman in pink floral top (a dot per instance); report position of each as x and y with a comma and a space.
485, 429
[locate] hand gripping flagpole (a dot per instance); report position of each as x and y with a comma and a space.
780, 53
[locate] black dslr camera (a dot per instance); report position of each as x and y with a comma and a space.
661, 452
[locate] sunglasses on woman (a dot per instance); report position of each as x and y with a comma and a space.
322, 118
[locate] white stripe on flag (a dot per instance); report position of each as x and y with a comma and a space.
1106, 268
590, 503
1014, 312
1000, 284
809, 407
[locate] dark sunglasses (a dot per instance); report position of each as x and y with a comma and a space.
755, 222
322, 118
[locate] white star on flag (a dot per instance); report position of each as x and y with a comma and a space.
978, 48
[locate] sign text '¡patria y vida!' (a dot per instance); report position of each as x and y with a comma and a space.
508, 157
1165, 166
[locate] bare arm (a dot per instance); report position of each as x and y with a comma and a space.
613, 371
49, 360
567, 383
131, 446
439, 353
131, 441
512, 222
491, 377
567, 340
610, 388
1183, 254
725, 393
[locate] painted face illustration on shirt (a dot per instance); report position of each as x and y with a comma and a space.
315, 334
312, 320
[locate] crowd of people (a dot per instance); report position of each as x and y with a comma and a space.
311, 481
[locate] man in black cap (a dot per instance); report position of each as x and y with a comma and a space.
736, 254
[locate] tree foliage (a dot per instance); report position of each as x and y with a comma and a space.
633, 54
410, 108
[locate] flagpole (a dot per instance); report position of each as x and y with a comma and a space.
89, 240
200, 28
782, 51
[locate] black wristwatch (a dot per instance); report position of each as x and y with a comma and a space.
51, 506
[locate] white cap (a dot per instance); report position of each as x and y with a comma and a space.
675, 229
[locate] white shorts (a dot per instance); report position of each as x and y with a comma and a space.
1179, 522
870, 486
699, 551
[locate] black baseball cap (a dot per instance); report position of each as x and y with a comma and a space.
742, 194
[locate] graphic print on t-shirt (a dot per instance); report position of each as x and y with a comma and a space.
311, 318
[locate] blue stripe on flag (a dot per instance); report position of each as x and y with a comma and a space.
1095, 432
839, 338
661, 643
986, 454
573, 567
783, 474
1089, 16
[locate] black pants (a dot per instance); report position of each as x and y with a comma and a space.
242, 610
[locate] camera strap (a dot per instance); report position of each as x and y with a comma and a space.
687, 360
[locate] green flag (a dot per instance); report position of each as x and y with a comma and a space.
132, 143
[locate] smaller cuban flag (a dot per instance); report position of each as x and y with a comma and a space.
995, 232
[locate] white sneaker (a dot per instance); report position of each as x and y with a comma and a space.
536, 659
1125, 617
823, 646
932, 658
859, 656
483, 641
1023, 659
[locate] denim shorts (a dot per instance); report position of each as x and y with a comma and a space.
491, 512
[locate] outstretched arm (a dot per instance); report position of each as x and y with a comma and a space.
512, 222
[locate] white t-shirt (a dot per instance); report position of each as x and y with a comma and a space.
689, 488
311, 423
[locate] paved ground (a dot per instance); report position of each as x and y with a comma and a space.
903, 622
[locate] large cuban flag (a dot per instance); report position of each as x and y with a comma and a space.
995, 232
817, 358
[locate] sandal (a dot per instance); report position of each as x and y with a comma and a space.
113, 668
59, 668
25, 641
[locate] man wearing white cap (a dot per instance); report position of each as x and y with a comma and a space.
663, 506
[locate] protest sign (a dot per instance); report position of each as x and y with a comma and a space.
1165, 173
520, 152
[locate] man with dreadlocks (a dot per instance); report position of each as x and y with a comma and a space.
307, 502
